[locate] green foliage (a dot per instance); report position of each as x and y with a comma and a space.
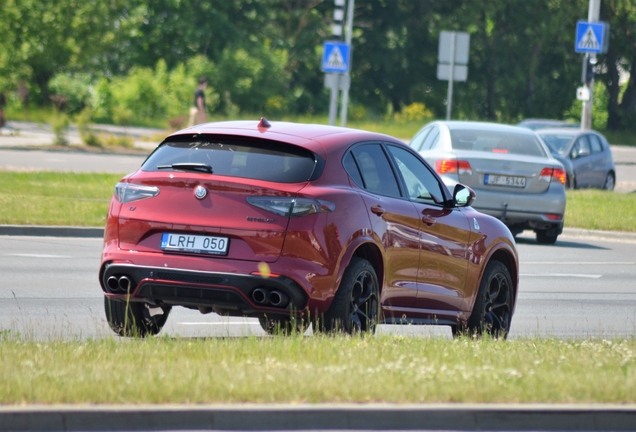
71, 91
416, 112
60, 123
599, 108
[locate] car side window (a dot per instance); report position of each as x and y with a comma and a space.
581, 147
595, 143
375, 170
431, 139
421, 184
418, 139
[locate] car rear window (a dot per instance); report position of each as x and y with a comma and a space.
259, 160
496, 142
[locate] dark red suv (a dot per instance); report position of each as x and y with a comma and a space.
296, 224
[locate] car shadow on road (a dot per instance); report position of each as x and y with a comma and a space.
573, 244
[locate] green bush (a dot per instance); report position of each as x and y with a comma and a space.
70, 92
59, 123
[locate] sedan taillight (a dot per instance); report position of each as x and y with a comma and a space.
453, 166
127, 192
548, 173
292, 207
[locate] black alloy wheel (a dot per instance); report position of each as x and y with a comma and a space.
283, 326
356, 306
492, 312
134, 319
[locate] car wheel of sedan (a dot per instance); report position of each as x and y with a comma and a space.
492, 312
134, 319
546, 239
283, 326
610, 182
356, 305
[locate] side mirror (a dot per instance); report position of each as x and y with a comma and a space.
463, 196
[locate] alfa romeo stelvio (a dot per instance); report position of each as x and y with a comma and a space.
298, 224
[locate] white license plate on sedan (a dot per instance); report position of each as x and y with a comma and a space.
501, 180
194, 243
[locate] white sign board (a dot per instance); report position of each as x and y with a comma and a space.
462, 43
460, 72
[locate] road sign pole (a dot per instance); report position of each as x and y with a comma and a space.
593, 14
333, 101
345, 91
449, 96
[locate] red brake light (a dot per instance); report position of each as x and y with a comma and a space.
452, 166
548, 173
554, 217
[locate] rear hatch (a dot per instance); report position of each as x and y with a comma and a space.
213, 196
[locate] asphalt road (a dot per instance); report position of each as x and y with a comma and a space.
579, 288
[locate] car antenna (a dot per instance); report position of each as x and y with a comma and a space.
264, 123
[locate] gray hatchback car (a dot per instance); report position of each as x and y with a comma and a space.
511, 170
589, 154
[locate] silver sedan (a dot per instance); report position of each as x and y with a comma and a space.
511, 170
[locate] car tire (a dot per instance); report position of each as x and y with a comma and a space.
133, 319
492, 311
610, 182
544, 238
356, 306
283, 326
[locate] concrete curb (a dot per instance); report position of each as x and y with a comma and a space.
579, 232
495, 417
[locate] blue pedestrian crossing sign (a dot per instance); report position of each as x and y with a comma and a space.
591, 37
335, 57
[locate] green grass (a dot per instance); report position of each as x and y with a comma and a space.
317, 369
601, 210
55, 198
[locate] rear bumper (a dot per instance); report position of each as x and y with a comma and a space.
521, 208
224, 293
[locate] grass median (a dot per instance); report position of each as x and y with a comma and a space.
72, 199
317, 369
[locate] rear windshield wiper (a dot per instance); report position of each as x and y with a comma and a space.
188, 166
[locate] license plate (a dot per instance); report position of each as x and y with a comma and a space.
501, 180
194, 243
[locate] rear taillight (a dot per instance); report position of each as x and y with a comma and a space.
292, 207
554, 217
453, 166
127, 192
548, 173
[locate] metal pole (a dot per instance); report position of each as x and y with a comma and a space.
593, 14
333, 102
345, 92
449, 96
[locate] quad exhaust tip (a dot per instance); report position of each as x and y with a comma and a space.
276, 298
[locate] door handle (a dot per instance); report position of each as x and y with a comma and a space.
429, 221
377, 209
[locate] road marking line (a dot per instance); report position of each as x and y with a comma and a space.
585, 276
580, 263
38, 256
218, 323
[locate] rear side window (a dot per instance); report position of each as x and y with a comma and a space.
267, 160
595, 143
373, 169
496, 142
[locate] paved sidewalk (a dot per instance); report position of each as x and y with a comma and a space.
491, 417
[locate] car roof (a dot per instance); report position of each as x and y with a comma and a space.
562, 131
308, 136
473, 125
